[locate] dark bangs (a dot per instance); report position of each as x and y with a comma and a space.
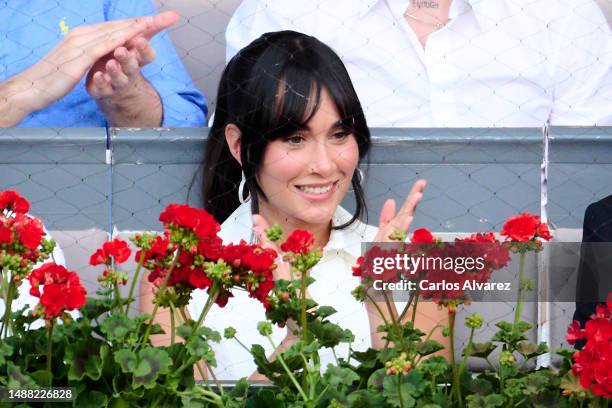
288, 81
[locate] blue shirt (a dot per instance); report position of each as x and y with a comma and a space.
29, 29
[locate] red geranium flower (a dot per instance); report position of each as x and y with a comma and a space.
422, 235
116, 248
593, 363
525, 227
12, 201
62, 290
298, 242
575, 332
29, 231
196, 219
6, 234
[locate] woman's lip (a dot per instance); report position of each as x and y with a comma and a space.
318, 197
317, 185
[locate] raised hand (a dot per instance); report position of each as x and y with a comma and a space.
118, 72
391, 222
56, 74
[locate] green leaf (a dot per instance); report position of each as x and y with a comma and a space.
91, 399
434, 366
325, 311
84, 359
240, 389
184, 330
263, 365
119, 403
428, 347
403, 390
530, 350
397, 396
336, 376
368, 358
267, 399
366, 399
95, 307
375, 382
199, 348
127, 360
489, 401
482, 350
117, 327
152, 362
329, 334
6, 350
17, 379
534, 383
209, 334
42, 377
481, 386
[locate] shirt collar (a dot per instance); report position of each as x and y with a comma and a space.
239, 226
348, 239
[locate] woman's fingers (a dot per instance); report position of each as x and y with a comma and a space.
260, 225
391, 222
386, 213
413, 198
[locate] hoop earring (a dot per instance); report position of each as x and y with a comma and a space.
360, 178
241, 191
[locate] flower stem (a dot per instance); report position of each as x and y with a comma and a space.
49, 351
456, 385
7, 312
399, 390
172, 324
468, 349
414, 308
378, 309
130, 298
303, 320
289, 373
160, 289
117, 297
518, 311
410, 299
214, 293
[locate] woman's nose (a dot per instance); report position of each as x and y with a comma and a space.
323, 159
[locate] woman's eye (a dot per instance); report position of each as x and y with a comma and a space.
341, 135
294, 140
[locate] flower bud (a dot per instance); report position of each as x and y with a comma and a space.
229, 333
264, 328
474, 321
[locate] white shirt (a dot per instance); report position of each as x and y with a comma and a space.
333, 286
497, 63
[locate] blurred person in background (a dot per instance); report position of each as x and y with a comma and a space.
595, 268
94, 63
456, 63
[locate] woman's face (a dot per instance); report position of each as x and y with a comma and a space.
306, 174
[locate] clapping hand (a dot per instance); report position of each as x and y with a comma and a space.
118, 72
390, 223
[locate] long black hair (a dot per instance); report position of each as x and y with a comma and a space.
267, 90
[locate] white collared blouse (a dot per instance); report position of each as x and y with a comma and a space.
497, 63
333, 286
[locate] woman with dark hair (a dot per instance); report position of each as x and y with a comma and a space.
287, 138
